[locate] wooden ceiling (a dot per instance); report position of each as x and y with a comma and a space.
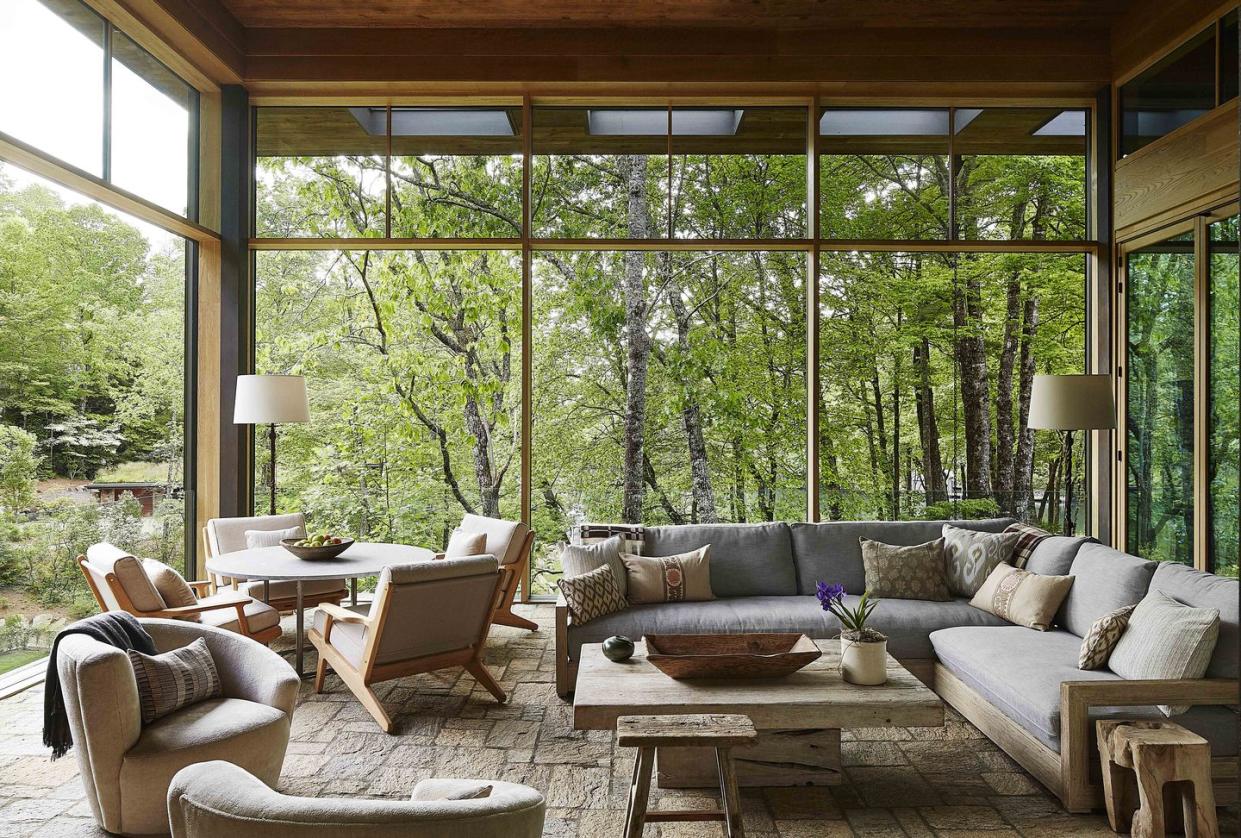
525, 14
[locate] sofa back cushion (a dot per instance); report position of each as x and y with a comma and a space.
1103, 580
1206, 590
746, 559
831, 552
1054, 555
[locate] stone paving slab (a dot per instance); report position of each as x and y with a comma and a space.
903, 783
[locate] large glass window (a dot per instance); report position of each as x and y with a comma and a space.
1175, 91
1224, 361
92, 401
1160, 385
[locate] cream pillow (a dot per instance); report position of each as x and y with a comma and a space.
465, 543
1166, 639
685, 577
576, 559
271, 538
172, 587
1021, 597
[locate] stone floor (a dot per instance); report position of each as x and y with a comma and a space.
949, 782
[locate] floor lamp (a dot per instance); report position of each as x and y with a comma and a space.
1071, 403
271, 400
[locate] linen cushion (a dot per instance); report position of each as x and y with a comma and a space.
1206, 590
746, 559
129, 572
1103, 580
1054, 555
1102, 638
1028, 538
505, 539
916, 572
830, 551
576, 559
464, 543
175, 679
172, 587
272, 538
1166, 639
1019, 672
227, 535
632, 536
592, 595
259, 615
1022, 597
683, 578
971, 556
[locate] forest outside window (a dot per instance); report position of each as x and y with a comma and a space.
1223, 362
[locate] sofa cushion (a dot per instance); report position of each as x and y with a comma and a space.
1019, 671
1103, 580
831, 552
1206, 590
1053, 556
746, 559
906, 622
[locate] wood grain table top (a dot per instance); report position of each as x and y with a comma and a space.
815, 697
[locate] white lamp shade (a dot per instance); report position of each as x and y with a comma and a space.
1071, 402
278, 399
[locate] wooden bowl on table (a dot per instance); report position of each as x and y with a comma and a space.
310, 554
730, 655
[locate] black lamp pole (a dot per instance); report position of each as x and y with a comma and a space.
271, 442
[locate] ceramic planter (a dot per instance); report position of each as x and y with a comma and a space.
864, 663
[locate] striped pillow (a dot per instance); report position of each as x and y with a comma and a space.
1028, 537
175, 679
633, 536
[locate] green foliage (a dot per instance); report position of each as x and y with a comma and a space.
969, 509
18, 465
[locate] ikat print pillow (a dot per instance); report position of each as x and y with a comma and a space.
972, 555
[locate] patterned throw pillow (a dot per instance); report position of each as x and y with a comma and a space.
973, 555
577, 559
1028, 537
465, 543
175, 679
172, 587
685, 577
633, 536
592, 595
1021, 597
915, 572
1166, 639
1102, 638
271, 538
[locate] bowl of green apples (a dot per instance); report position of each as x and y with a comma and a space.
317, 547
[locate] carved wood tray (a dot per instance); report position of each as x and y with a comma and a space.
684, 656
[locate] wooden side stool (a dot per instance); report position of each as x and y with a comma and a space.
721, 732
1155, 764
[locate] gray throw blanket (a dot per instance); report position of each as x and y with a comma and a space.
114, 628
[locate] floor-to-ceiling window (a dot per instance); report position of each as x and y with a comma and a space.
659, 270
93, 353
1224, 394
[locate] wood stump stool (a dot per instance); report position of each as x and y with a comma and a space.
1150, 767
720, 732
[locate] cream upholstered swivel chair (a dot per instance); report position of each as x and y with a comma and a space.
425, 616
145, 588
126, 767
227, 535
510, 542
218, 800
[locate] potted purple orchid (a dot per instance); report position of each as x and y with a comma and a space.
863, 650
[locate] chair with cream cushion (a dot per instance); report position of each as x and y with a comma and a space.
228, 535
425, 616
126, 767
147, 588
510, 542
218, 800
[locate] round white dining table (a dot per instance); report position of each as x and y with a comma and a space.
276, 564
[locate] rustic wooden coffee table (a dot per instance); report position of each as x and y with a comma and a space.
799, 717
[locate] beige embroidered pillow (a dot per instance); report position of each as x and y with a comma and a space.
915, 572
971, 556
1021, 597
1102, 638
464, 543
685, 577
592, 595
172, 587
1166, 639
175, 679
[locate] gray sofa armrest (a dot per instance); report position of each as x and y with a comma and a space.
247, 668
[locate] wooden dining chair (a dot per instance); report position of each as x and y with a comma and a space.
424, 617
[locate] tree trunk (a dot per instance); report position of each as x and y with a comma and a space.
633, 172
1004, 430
1023, 461
934, 481
975, 387
691, 412
896, 426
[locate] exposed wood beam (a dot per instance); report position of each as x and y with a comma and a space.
198, 39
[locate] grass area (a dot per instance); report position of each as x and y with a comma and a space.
134, 472
20, 657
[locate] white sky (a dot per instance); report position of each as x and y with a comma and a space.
51, 96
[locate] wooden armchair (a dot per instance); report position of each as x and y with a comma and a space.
121, 582
510, 542
424, 617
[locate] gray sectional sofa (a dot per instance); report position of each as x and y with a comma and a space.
1016, 684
